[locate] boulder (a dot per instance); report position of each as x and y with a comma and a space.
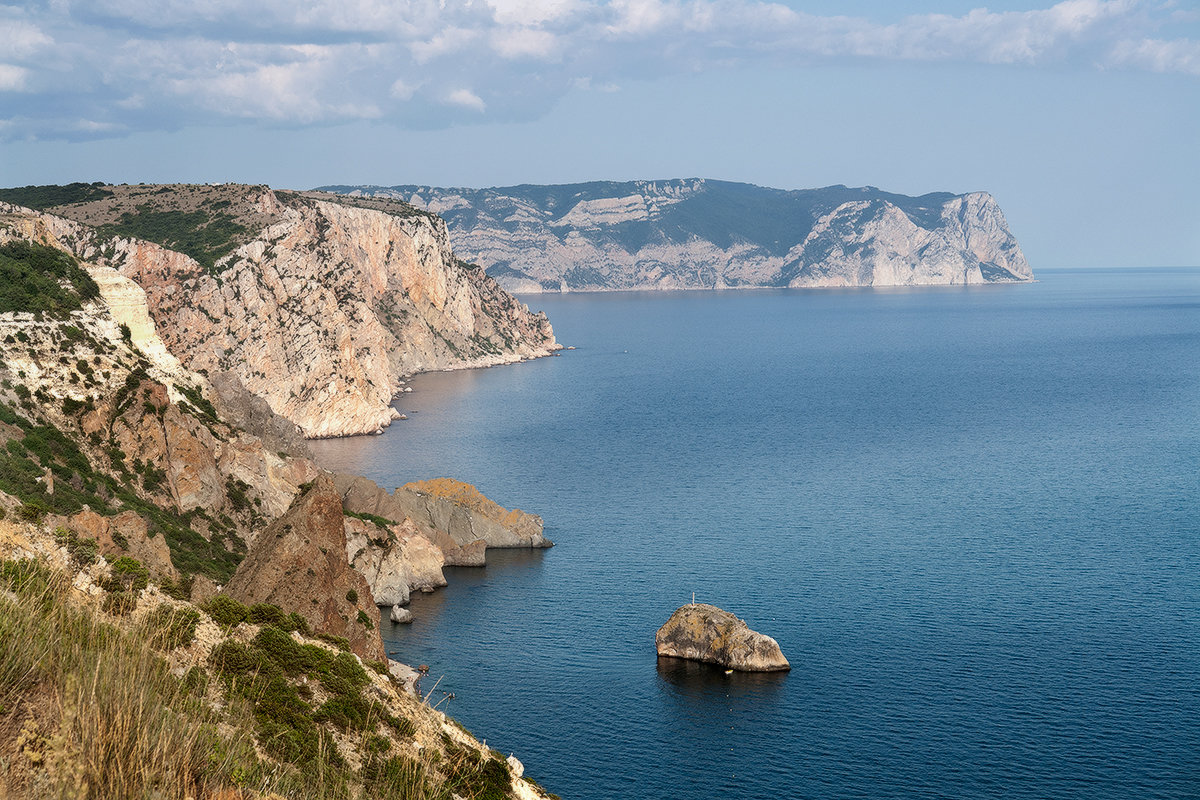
401, 615
701, 632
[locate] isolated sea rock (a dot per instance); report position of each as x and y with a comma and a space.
702, 632
400, 615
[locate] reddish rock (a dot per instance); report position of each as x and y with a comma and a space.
299, 564
126, 534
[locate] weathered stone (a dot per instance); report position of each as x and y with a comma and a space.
299, 564
400, 615
363, 496
702, 632
394, 559
125, 534
467, 515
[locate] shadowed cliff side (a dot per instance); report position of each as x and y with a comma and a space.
299, 563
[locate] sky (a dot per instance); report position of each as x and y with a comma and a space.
1081, 117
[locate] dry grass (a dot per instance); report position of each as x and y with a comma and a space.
113, 722
91, 710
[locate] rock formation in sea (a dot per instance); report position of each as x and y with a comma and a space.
463, 512
401, 540
702, 632
705, 234
317, 303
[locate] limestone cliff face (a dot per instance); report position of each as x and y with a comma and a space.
702, 234
321, 310
874, 243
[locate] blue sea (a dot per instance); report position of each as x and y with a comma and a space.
970, 517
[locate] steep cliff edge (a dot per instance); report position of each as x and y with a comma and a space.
316, 303
704, 234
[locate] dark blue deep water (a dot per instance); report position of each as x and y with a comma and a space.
971, 517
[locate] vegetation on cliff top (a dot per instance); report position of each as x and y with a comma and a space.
205, 235
43, 197
37, 278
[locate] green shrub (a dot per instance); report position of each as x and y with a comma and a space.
266, 614
81, 551
37, 278
32, 511
128, 575
226, 611
180, 590
120, 604
352, 596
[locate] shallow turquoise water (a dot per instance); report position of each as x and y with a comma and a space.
971, 517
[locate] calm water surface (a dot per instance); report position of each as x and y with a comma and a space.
971, 518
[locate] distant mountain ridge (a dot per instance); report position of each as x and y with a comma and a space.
698, 233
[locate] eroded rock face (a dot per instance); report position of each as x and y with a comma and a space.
703, 234
467, 515
363, 496
126, 534
394, 559
701, 632
299, 564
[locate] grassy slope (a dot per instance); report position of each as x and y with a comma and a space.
155, 698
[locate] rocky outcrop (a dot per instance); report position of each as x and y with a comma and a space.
126, 534
363, 496
401, 541
463, 512
319, 311
702, 632
395, 559
299, 564
703, 234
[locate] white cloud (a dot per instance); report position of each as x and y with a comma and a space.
1181, 56
402, 90
465, 98
13, 78
133, 64
525, 43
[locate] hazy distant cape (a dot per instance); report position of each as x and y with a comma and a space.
697, 233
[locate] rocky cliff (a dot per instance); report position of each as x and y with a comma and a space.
300, 564
703, 234
316, 303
